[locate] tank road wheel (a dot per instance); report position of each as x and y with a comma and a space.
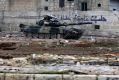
40, 36
26, 34
37, 35
32, 35
58, 36
43, 36
55, 36
50, 36
46, 36
61, 35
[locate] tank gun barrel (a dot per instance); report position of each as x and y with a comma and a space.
81, 23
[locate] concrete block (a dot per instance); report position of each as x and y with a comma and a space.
2, 76
47, 77
108, 77
84, 77
68, 77
19, 77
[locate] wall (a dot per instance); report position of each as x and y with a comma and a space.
28, 12
93, 5
53, 5
76, 5
33, 5
5, 76
104, 5
114, 4
108, 20
21, 5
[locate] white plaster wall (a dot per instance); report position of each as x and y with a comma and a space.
111, 21
114, 4
112, 17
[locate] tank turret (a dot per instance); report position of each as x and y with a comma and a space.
50, 27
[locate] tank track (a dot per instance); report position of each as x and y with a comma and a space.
43, 35
52, 36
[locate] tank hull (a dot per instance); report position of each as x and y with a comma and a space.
52, 36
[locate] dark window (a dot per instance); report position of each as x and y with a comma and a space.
70, 0
46, 0
61, 3
46, 8
84, 6
99, 5
97, 26
114, 9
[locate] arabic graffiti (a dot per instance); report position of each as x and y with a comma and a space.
90, 18
84, 18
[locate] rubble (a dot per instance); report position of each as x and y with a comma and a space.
47, 58
61, 54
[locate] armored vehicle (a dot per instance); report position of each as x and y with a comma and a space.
50, 27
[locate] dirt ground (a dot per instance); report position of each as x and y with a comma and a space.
81, 48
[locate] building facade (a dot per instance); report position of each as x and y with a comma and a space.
82, 5
54, 5
103, 12
17, 5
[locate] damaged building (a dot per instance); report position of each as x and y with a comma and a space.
82, 5
14, 12
54, 5
114, 5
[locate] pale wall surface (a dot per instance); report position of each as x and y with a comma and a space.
108, 20
5, 76
114, 4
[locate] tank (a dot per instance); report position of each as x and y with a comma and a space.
50, 27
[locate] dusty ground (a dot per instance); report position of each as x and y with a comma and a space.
62, 47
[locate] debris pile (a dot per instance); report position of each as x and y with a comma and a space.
49, 58
8, 45
80, 43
